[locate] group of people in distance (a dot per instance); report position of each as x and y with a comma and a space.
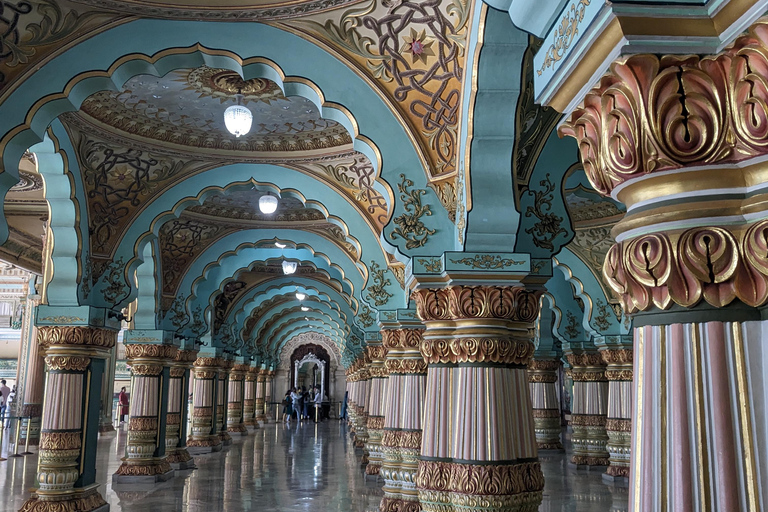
302, 404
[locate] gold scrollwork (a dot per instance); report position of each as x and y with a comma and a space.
70, 363
509, 350
60, 441
488, 262
457, 302
48, 335
410, 227
491, 479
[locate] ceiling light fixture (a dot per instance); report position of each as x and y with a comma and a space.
304, 308
301, 296
289, 267
238, 117
279, 245
267, 204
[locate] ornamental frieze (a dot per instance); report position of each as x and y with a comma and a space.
146, 370
407, 439
186, 356
544, 365
717, 265
60, 441
376, 352
587, 359
177, 373
619, 375
617, 356
511, 351
618, 425
460, 302
588, 420
507, 479
544, 378
156, 468
142, 424
650, 114
406, 366
85, 336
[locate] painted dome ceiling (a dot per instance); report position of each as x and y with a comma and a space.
243, 205
184, 109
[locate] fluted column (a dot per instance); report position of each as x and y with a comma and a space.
249, 401
235, 395
176, 424
478, 448
31, 373
377, 398
74, 358
361, 406
269, 394
618, 425
222, 400
108, 392
680, 140
260, 391
205, 435
145, 458
542, 381
401, 440
589, 409
351, 373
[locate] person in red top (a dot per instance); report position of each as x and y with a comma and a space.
122, 399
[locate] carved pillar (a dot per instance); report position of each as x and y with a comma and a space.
361, 417
205, 433
249, 402
401, 441
478, 449
145, 458
589, 409
176, 425
542, 381
108, 392
31, 373
66, 470
681, 142
260, 390
235, 395
351, 397
269, 394
377, 399
222, 399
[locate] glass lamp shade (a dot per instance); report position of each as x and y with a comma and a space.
237, 118
304, 308
289, 267
267, 204
301, 296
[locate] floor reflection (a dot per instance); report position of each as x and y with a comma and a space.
293, 467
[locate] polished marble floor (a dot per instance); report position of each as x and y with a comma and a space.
304, 467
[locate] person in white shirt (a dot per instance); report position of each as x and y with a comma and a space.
318, 403
5, 392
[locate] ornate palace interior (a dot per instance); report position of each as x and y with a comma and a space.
521, 249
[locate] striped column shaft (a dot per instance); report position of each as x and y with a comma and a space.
361, 419
249, 400
235, 397
260, 390
222, 400
268, 394
542, 382
478, 449
377, 399
698, 438
401, 440
150, 374
69, 425
175, 443
204, 435
618, 425
589, 410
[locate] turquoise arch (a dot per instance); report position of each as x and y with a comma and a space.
548, 322
288, 315
147, 225
286, 324
562, 302
297, 57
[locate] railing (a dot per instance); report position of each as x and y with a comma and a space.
11, 420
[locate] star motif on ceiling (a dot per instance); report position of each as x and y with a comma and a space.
419, 46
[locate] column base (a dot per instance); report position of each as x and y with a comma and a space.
226, 439
143, 472
555, 446
398, 505
181, 460
588, 463
86, 500
373, 469
204, 445
106, 428
238, 430
618, 481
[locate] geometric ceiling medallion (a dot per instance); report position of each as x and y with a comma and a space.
224, 84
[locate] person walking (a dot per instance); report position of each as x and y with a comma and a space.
122, 400
318, 404
287, 406
296, 404
5, 392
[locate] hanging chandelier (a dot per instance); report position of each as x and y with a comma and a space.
238, 117
268, 204
301, 296
289, 267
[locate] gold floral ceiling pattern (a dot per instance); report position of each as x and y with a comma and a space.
185, 108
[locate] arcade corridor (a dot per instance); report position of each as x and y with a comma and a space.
298, 468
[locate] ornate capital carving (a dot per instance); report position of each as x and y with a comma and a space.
651, 114
376, 352
622, 356
148, 350
460, 302
714, 264
507, 479
186, 356
544, 365
408, 439
390, 338
60, 441
146, 370
208, 362
587, 359
76, 335
509, 350
177, 373
406, 366
71, 363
